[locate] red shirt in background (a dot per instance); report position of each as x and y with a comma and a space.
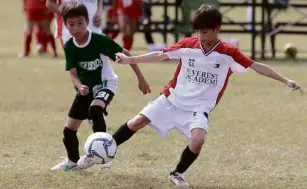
35, 5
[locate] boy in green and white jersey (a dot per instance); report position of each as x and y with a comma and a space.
87, 60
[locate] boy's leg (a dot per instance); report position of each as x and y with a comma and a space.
188, 156
128, 129
40, 40
28, 29
97, 109
112, 20
71, 143
128, 27
147, 23
77, 113
48, 36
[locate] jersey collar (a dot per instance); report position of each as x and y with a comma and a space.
87, 42
211, 50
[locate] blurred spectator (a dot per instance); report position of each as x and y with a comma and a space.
281, 4
42, 42
188, 7
129, 12
146, 21
110, 6
37, 15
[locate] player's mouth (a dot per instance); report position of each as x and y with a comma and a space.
77, 34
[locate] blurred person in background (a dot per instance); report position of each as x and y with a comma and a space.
94, 8
110, 6
146, 21
188, 7
37, 15
281, 4
42, 42
129, 12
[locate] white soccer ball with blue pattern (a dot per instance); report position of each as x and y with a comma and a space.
100, 147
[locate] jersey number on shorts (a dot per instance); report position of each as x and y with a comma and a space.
104, 95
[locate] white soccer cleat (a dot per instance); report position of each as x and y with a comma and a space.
106, 165
178, 179
66, 165
85, 162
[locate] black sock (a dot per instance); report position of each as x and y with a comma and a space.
148, 37
122, 134
187, 158
71, 143
96, 114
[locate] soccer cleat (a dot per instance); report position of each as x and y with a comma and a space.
23, 55
66, 165
106, 165
85, 162
178, 179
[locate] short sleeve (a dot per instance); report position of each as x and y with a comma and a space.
69, 58
241, 59
175, 51
110, 47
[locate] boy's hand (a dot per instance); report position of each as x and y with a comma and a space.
123, 59
294, 85
143, 86
84, 90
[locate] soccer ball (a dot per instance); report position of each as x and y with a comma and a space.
101, 147
290, 50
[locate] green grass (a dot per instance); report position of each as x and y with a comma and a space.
256, 135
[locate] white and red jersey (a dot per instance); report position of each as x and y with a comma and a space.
201, 77
61, 31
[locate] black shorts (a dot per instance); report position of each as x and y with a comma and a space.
80, 106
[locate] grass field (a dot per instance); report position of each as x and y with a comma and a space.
257, 134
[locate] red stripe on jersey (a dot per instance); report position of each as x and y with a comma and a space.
240, 58
235, 53
173, 82
219, 96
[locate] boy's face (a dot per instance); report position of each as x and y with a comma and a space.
207, 35
77, 26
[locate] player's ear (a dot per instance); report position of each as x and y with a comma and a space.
217, 29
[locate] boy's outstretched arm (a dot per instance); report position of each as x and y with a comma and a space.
156, 56
269, 72
143, 85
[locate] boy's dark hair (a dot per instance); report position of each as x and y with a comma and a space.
207, 17
73, 9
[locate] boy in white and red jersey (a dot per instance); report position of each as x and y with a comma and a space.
94, 8
205, 65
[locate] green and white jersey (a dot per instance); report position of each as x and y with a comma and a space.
92, 59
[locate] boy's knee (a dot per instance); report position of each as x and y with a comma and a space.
138, 122
197, 140
95, 112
